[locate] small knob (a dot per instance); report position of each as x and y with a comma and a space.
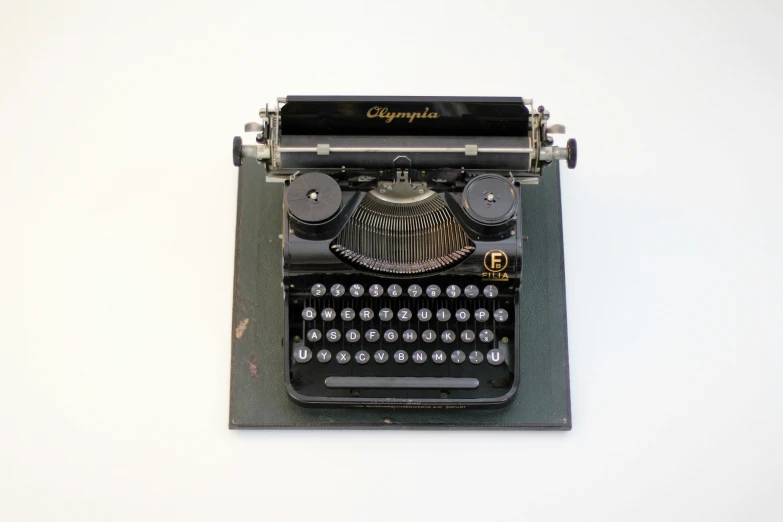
237, 151
571, 148
254, 127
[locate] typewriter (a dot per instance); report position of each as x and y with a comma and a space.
402, 244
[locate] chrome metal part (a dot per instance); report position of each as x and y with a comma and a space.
540, 148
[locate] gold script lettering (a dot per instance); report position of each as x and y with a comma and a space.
388, 117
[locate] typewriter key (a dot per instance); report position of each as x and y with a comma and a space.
443, 315
471, 291
352, 336
404, 314
468, 336
381, 356
343, 357
324, 356
314, 335
308, 314
302, 355
424, 314
372, 335
318, 290
458, 356
429, 336
489, 199
409, 336
495, 357
385, 314
414, 290
462, 315
501, 315
395, 290
337, 290
453, 291
313, 197
486, 336
438, 356
400, 356
362, 357
366, 314
390, 335
376, 290
347, 314
491, 291
476, 357
419, 357
356, 290
433, 291
481, 315
448, 336
333, 335
328, 314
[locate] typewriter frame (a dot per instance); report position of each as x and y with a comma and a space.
491, 151
515, 238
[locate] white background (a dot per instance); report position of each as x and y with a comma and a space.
117, 212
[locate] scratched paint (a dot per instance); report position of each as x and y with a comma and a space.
240, 330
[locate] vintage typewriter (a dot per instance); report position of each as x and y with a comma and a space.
402, 244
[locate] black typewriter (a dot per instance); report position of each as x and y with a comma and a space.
402, 244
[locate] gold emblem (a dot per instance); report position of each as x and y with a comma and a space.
495, 261
389, 116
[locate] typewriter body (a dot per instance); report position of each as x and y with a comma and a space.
402, 243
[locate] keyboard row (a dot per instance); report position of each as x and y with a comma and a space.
395, 290
404, 314
494, 357
409, 336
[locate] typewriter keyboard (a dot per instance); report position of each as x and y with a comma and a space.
436, 340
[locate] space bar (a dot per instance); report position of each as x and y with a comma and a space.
421, 383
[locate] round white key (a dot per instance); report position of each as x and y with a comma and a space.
362, 357
448, 336
303, 354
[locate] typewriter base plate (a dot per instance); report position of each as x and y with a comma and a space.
258, 394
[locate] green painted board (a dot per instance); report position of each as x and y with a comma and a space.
258, 395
